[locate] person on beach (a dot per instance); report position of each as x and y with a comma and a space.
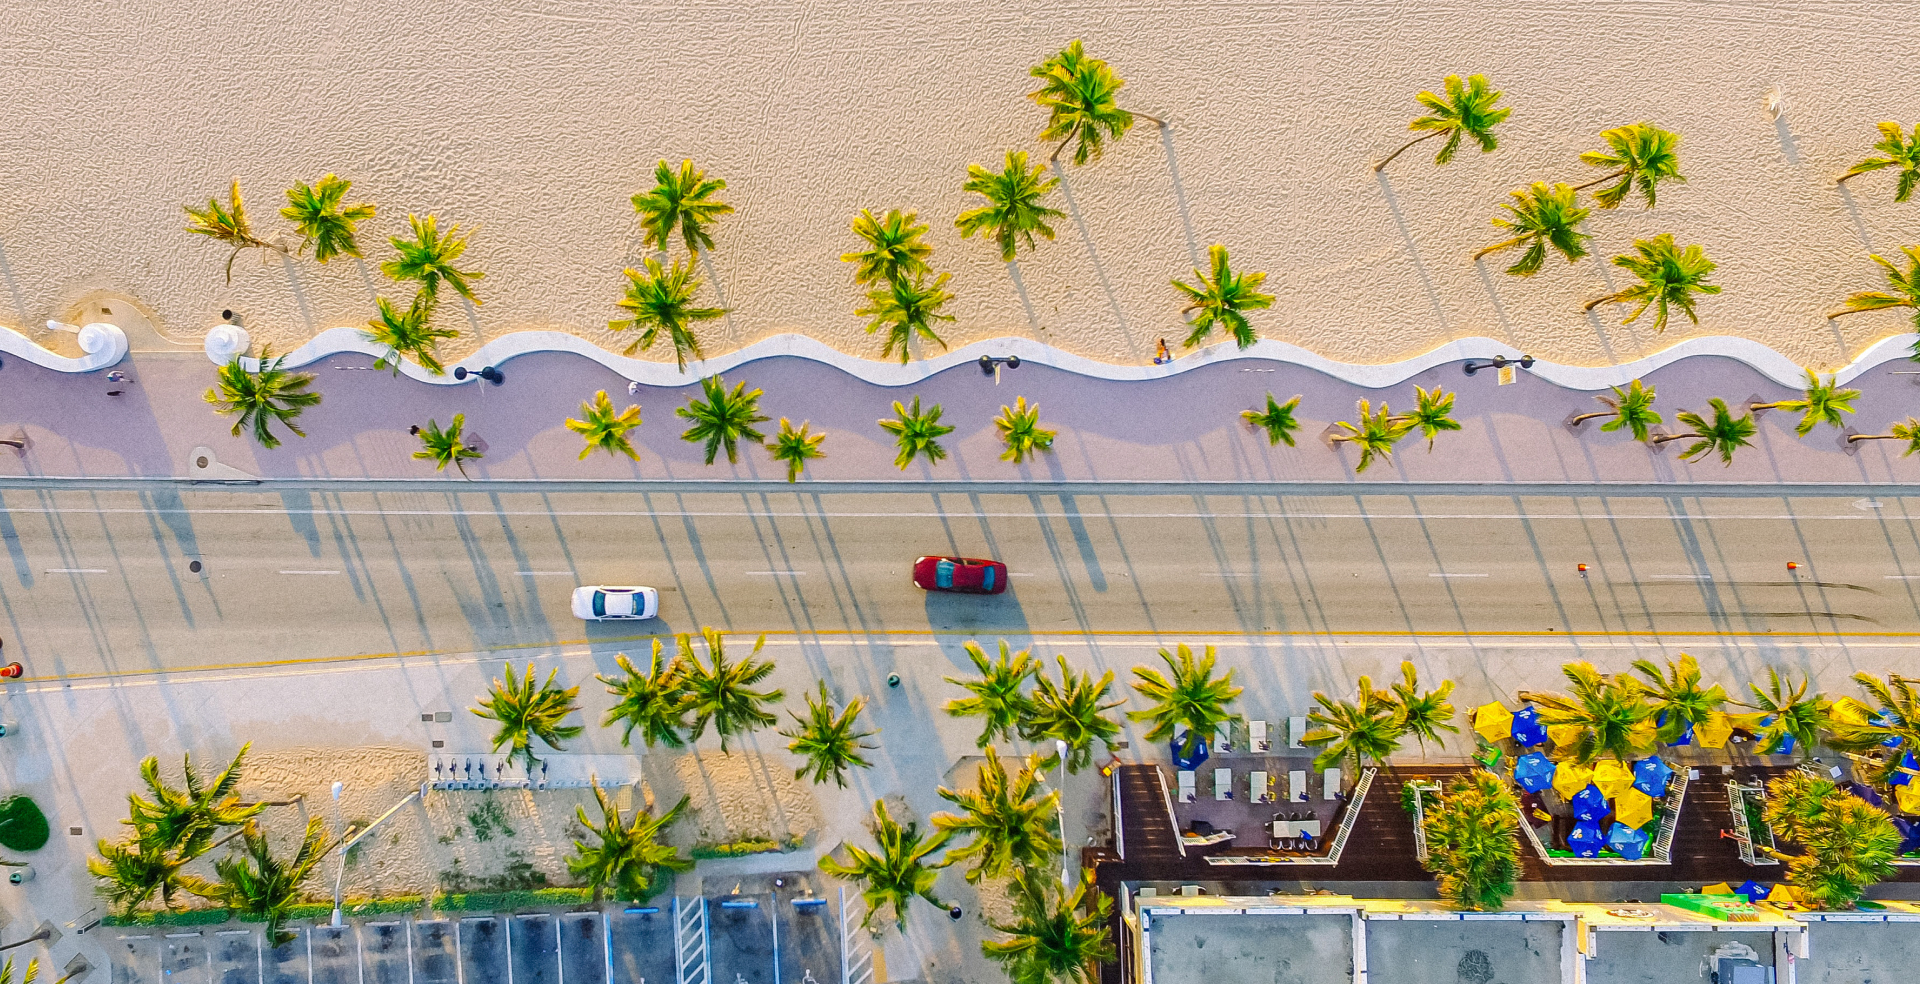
1161, 356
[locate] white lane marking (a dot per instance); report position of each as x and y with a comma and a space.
1445, 574
1903, 577
1096, 513
544, 573
775, 573
76, 570
1019, 574
309, 572
1681, 577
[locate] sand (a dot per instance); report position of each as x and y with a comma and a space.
537, 123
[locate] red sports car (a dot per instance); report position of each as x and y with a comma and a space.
965, 575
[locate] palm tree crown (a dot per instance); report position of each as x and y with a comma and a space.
916, 434
723, 418
1908, 431
1793, 713
1896, 150
1473, 842
1020, 429
323, 223
661, 300
1078, 94
1013, 212
262, 397
445, 447
184, 820
721, 693
1847, 844
525, 711
1640, 156
626, 855
1277, 420
1352, 731
1722, 435
1421, 713
256, 884
891, 877
653, 702
131, 872
1822, 403
894, 250
1669, 277
1905, 292
907, 308
1468, 110
1072, 712
1432, 413
1891, 722
227, 224
828, 741
1374, 435
1631, 409
1679, 701
1220, 299
1609, 715
1055, 937
1012, 825
408, 332
795, 447
429, 259
1190, 699
682, 200
998, 698
603, 429
1541, 218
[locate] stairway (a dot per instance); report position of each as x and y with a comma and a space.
1146, 833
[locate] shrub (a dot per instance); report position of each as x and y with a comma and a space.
744, 847
1847, 845
1473, 842
22, 826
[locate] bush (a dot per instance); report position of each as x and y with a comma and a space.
743, 848
22, 826
539, 898
174, 917
317, 911
1847, 845
1473, 842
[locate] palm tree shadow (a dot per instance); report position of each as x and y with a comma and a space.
13, 286
720, 294
1788, 146
1093, 254
299, 293
1020, 288
366, 278
1413, 252
1853, 212
1499, 309
1180, 195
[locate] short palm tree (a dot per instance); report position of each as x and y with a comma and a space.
1891, 722
1897, 150
1609, 714
1793, 713
894, 250
320, 219
680, 200
1822, 403
184, 820
1055, 936
603, 429
1374, 435
1679, 702
408, 332
906, 308
1631, 410
1669, 277
525, 711
447, 447
721, 693
660, 300
1473, 842
1010, 823
1638, 157
132, 872
1905, 292
1847, 845
1220, 300
1722, 435
998, 697
828, 740
428, 258
890, 877
1188, 698
624, 855
1277, 420
1020, 429
722, 419
1541, 218
1432, 413
1421, 713
653, 703
916, 434
1352, 732
33, 972
257, 885
262, 397
1078, 94
1013, 212
1908, 431
227, 224
795, 447
1072, 712
1468, 110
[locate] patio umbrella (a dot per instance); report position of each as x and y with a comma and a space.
1527, 729
1650, 775
1846, 710
1909, 835
1590, 804
1613, 777
1563, 735
1907, 761
1533, 772
1633, 808
1586, 840
1866, 792
1717, 888
1199, 753
1714, 731
1753, 890
1782, 894
1628, 842
1907, 798
1492, 721
1885, 720
1569, 779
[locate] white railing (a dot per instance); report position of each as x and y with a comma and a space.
1676, 797
690, 940
1352, 815
1120, 824
1420, 788
1737, 796
1166, 798
856, 944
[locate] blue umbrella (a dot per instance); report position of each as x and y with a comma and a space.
1199, 754
1628, 842
1650, 776
1527, 729
1886, 720
1909, 835
1586, 840
1906, 761
1686, 736
1753, 890
1780, 744
1590, 804
1866, 792
1533, 771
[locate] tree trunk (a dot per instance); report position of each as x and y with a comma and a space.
1596, 302
1665, 438
1757, 407
1157, 121
1872, 437
1583, 418
1847, 311
1380, 164
1515, 241
1054, 158
1610, 177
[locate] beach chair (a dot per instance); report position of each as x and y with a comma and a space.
1257, 737
1223, 736
1186, 786
1330, 785
1297, 786
1296, 730
1223, 784
1258, 790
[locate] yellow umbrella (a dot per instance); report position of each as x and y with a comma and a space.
1493, 722
1563, 735
1613, 777
1907, 798
1633, 807
1782, 894
1714, 731
1717, 888
1847, 710
1569, 779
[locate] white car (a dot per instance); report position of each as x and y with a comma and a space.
602, 602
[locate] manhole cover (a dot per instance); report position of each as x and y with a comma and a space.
200, 462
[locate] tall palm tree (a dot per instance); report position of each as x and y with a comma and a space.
1890, 728
1631, 410
1847, 844
1421, 713
1010, 822
624, 854
1078, 94
894, 250
1189, 698
1905, 292
1669, 277
1352, 731
1277, 420
1221, 299
653, 702
184, 820
256, 884
1468, 110
1639, 156
723, 418
525, 711
260, 398
721, 693
132, 871
998, 698
1822, 403
1072, 712
33, 972
446, 447
1020, 429
1896, 150
906, 308
1374, 435
681, 200
227, 224
795, 447
1679, 701
890, 877
1909, 431
660, 300
1013, 211
1432, 414
829, 741
603, 429
429, 258
1793, 712
916, 434
1722, 435
408, 332
1610, 714
1055, 936
1541, 218
1473, 842
320, 219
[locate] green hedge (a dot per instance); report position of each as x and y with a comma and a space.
352, 907
175, 917
22, 826
743, 848
538, 898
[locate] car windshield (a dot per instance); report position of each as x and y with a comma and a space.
986, 579
943, 573
599, 604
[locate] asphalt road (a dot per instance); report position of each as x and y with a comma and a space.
100, 581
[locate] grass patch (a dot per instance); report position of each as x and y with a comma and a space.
743, 848
22, 826
539, 898
175, 917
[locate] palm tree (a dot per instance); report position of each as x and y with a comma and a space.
661, 300
1432, 414
682, 199
1277, 420
1905, 293
1020, 428
1630, 408
1792, 712
1374, 435
445, 447
1847, 844
184, 820
795, 447
33, 972
227, 224
603, 429
1669, 278
722, 694
1891, 725
1467, 110
1908, 432
1010, 823
1421, 713
1353, 731
323, 223
1899, 151
897, 873
1722, 435
1013, 211
1541, 218
1055, 936
258, 885
907, 308
894, 250
723, 418
654, 702
916, 434
828, 740
1221, 298
998, 697
1190, 699
262, 397
407, 332
1071, 712
1610, 714
1078, 94
1473, 842
1640, 156
1679, 702
525, 711
429, 257
131, 872
1823, 403
628, 854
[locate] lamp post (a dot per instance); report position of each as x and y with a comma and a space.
1499, 362
352, 838
1066, 850
990, 365
488, 373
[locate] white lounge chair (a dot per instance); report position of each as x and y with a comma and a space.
1297, 786
1223, 784
1223, 736
1258, 790
1330, 785
1186, 786
1257, 737
1296, 730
